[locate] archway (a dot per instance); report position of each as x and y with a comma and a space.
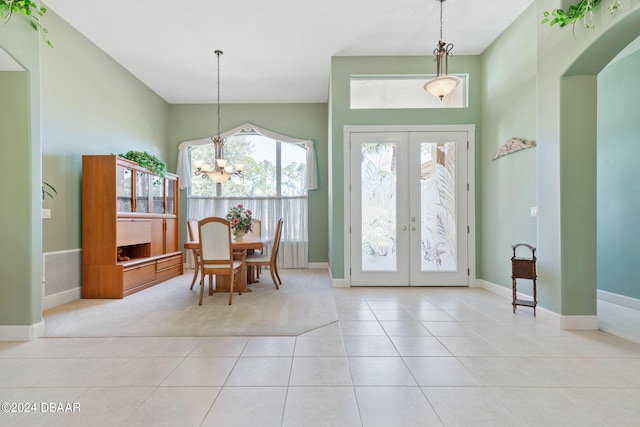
578, 164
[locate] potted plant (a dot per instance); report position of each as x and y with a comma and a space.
30, 10
48, 190
146, 160
581, 10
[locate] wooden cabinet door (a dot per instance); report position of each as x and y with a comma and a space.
157, 236
171, 235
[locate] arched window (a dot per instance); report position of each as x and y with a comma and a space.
278, 171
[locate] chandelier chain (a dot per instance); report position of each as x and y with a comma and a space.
441, 1
218, 53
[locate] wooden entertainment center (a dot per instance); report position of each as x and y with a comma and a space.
130, 224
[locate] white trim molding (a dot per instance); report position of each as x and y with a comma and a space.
21, 332
338, 283
618, 299
61, 298
318, 266
562, 322
579, 323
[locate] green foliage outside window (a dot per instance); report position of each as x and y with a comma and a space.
259, 177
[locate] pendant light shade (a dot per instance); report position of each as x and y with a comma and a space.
442, 86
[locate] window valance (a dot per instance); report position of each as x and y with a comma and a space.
184, 162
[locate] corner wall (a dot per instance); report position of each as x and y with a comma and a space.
20, 178
507, 187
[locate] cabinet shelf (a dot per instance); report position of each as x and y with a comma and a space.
125, 207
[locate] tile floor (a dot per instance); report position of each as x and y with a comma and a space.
396, 357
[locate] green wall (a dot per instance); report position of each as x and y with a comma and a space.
90, 105
20, 224
340, 115
618, 176
189, 122
506, 188
72, 100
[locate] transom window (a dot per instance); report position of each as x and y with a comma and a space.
378, 92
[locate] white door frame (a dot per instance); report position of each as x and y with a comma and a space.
471, 200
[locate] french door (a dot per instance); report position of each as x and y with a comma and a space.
409, 208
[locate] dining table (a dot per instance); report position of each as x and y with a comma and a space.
250, 244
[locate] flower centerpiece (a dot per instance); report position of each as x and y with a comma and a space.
240, 220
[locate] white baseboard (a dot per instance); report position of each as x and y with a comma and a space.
494, 288
22, 332
60, 298
562, 322
339, 283
318, 265
618, 299
588, 323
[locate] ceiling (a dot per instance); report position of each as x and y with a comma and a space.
274, 50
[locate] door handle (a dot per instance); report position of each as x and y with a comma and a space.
413, 219
403, 228
413, 228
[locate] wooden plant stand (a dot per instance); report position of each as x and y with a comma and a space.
523, 268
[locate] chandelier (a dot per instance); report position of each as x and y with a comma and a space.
221, 170
442, 84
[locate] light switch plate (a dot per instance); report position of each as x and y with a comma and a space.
534, 211
46, 213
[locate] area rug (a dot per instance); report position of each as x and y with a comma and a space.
304, 302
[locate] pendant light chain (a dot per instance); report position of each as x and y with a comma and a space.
218, 53
441, 1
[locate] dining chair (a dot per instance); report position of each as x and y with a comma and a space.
256, 231
257, 260
217, 256
192, 227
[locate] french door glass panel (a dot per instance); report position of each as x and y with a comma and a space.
379, 247
378, 207
438, 206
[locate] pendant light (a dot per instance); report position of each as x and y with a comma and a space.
221, 171
442, 84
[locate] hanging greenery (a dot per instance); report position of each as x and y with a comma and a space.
147, 161
48, 190
581, 10
30, 10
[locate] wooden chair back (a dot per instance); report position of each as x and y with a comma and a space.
276, 242
215, 242
256, 228
192, 226
216, 254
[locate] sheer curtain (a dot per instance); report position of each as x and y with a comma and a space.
293, 210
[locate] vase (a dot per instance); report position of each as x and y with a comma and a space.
239, 234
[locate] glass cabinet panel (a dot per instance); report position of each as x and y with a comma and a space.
142, 191
157, 190
124, 194
171, 196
